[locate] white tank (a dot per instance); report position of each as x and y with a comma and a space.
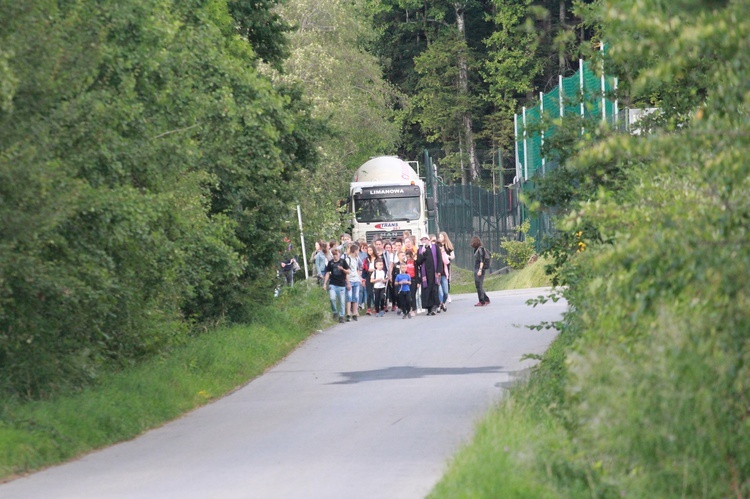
386, 169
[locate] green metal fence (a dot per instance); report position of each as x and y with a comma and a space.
583, 94
464, 211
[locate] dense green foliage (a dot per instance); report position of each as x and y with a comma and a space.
122, 405
146, 172
346, 89
646, 392
518, 253
465, 67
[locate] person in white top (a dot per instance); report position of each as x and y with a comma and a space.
446, 246
378, 279
354, 278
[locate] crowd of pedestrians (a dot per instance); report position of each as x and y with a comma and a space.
401, 276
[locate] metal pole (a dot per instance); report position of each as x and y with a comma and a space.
518, 162
302, 239
525, 148
433, 169
604, 89
500, 167
583, 94
541, 108
617, 107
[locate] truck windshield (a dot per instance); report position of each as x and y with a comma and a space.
387, 209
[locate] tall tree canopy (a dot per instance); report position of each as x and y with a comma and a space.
345, 85
466, 67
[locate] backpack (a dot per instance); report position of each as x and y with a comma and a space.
354, 267
486, 258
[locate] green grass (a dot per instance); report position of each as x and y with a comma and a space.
123, 405
532, 276
521, 448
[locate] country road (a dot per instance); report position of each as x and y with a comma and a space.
372, 409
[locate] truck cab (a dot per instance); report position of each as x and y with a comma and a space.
387, 197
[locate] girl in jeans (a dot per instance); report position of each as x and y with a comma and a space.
446, 247
352, 290
321, 259
479, 253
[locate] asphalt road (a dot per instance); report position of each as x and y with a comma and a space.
372, 409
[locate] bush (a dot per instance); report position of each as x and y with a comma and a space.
519, 252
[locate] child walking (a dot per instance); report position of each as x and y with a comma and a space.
403, 284
378, 279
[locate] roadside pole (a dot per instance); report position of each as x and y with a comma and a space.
302, 239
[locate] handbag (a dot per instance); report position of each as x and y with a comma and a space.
295, 266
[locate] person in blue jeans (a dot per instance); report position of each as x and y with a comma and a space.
352, 290
335, 281
445, 244
403, 287
363, 246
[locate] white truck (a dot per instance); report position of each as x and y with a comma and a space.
387, 197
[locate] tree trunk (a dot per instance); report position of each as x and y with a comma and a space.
561, 54
463, 87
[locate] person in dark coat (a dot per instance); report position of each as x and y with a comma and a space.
430, 261
287, 263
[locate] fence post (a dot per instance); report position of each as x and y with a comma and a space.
604, 88
617, 107
583, 95
525, 148
518, 161
541, 118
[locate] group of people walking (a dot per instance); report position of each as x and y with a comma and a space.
400, 275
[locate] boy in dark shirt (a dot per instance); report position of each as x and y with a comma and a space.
336, 273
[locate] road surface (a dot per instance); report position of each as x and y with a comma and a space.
368, 409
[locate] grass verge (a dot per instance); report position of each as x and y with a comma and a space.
123, 405
519, 448
532, 276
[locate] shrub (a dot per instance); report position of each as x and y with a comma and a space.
518, 253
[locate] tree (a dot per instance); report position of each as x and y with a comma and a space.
145, 170
344, 85
658, 298
259, 22
429, 50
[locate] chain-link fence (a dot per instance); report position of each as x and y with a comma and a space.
583, 94
464, 211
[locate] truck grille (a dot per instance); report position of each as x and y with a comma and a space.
383, 234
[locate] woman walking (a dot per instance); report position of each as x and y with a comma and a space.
321, 259
352, 290
368, 267
479, 259
445, 244
390, 260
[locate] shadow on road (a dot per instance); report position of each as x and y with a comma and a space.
409, 372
